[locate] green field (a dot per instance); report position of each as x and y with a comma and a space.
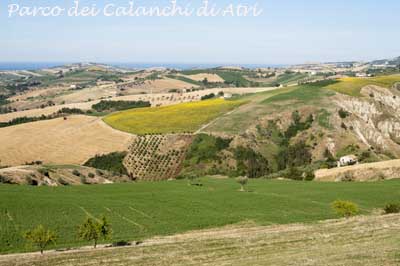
146, 209
180, 118
290, 78
353, 86
308, 93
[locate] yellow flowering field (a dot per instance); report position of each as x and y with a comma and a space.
353, 86
180, 118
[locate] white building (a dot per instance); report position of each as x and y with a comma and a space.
227, 95
348, 160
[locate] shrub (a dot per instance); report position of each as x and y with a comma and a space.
308, 175
294, 173
208, 96
119, 105
62, 182
76, 172
91, 175
343, 113
121, 243
345, 208
347, 177
44, 172
99, 172
112, 162
3, 179
31, 182
392, 208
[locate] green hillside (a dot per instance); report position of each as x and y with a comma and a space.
146, 209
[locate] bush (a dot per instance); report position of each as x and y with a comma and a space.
121, 243
62, 182
112, 162
99, 172
91, 175
392, 208
3, 179
208, 96
294, 173
31, 182
76, 172
347, 177
345, 208
308, 175
44, 171
119, 105
343, 113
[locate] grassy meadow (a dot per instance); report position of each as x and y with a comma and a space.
265, 103
142, 210
353, 86
180, 118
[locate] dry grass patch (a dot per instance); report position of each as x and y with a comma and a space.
59, 141
209, 77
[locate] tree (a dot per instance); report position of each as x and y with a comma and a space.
242, 180
298, 154
94, 230
41, 237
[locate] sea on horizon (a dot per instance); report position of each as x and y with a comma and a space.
13, 66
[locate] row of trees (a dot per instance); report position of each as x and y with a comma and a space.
91, 229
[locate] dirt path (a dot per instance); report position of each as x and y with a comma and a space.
364, 240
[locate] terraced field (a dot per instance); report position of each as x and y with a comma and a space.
353, 86
180, 118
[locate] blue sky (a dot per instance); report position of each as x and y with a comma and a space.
287, 32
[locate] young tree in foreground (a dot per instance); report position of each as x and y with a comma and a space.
41, 237
242, 180
92, 230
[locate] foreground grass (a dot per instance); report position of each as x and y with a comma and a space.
353, 86
142, 210
363, 241
185, 117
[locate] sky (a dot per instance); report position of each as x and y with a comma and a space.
287, 32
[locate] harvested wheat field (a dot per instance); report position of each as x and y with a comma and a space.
168, 83
202, 76
363, 241
59, 141
45, 111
